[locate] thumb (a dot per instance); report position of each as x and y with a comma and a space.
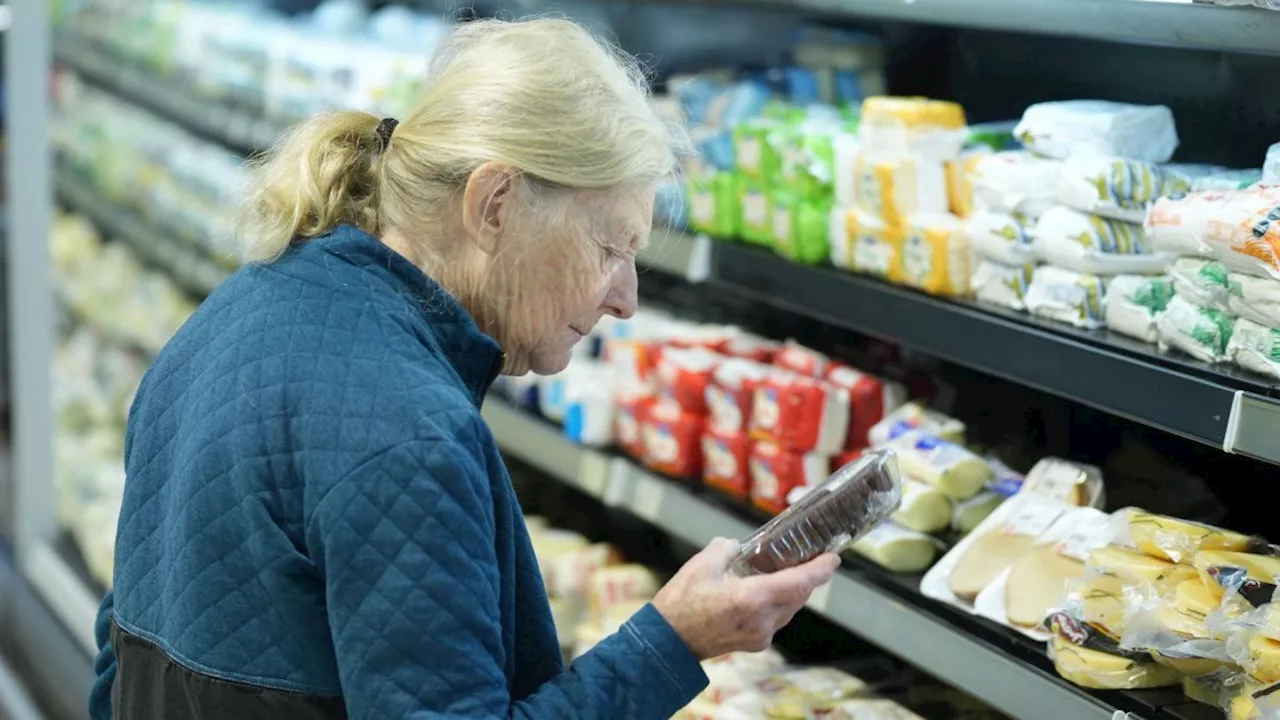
720, 553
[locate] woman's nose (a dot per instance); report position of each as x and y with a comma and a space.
623, 296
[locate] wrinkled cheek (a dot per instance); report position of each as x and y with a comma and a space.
549, 293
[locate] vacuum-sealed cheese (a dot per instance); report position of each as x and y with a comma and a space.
1223, 569
1109, 570
914, 416
1179, 540
968, 514
1102, 671
1202, 333
897, 549
1066, 296
1091, 244
1003, 285
1015, 182
1115, 187
1002, 237
1134, 301
803, 692
935, 254
1064, 128
949, 467
924, 508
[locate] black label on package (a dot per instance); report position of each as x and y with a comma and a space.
1237, 579
1087, 636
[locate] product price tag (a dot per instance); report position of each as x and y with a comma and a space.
615, 490
699, 260
1089, 530
593, 473
818, 600
1058, 480
1032, 516
648, 497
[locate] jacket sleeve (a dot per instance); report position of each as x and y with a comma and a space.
406, 543
104, 666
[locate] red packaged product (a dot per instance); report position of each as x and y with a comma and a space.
628, 420
729, 394
776, 472
751, 347
724, 462
706, 337
634, 363
801, 360
800, 414
672, 440
683, 376
869, 399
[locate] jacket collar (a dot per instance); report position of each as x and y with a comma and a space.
475, 356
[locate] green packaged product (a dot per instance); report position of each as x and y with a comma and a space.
713, 204
755, 157
756, 218
801, 227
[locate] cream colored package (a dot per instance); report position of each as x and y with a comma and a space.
1064, 128
1067, 296
1255, 348
914, 416
1179, 224
1202, 333
1254, 298
1179, 540
1066, 481
1114, 187
1002, 285
924, 508
895, 186
1002, 237
946, 466
969, 514
1015, 181
982, 555
1073, 240
1104, 671
897, 549
1134, 302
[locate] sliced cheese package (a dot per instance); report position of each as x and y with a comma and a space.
1115, 187
984, 554
944, 465
924, 508
1254, 298
1202, 283
1067, 296
1113, 574
1097, 670
1173, 629
1015, 182
1070, 239
935, 254
1002, 285
897, 549
1255, 348
1002, 237
1202, 333
1067, 482
1179, 540
1134, 302
1246, 584
804, 692
914, 416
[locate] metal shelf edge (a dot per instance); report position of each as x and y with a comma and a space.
74, 603
858, 606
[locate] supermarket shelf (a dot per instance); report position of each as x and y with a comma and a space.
677, 253
904, 627
190, 269
240, 130
1230, 409
72, 600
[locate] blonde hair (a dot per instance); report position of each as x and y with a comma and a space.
543, 96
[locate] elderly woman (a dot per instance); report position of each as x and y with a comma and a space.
317, 522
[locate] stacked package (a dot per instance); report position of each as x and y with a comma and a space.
1227, 277
1090, 171
755, 686
893, 215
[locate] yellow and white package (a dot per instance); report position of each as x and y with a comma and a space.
844, 152
960, 180
1254, 298
949, 467
1002, 237
1244, 233
1003, 285
914, 416
1111, 572
1091, 244
934, 129
1255, 348
1097, 670
800, 693
1202, 333
893, 187
733, 674
1014, 181
618, 584
1203, 283
924, 508
877, 247
1172, 628
969, 514
1114, 187
1067, 296
1134, 302
1062, 129
984, 554
935, 255
896, 548
1179, 540
841, 235
1070, 483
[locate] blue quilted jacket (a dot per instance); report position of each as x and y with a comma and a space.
317, 522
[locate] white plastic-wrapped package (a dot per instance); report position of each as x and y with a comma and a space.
1115, 187
1002, 237
1134, 302
1178, 224
1244, 233
1199, 332
1254, 298
1094, 245
1015, 181
1066, 296
1255, 347
1061, 129
1202, 283
1003, 285
1271, 166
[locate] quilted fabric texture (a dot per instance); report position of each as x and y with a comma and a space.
315, 505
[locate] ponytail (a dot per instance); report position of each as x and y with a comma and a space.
321, 174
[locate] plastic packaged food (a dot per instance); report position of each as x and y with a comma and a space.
935, 255
1002, 237
914, 416
1134, 302
856, 498
1067, 296
805, 692
1179, 540
924, 508
1202, 333
969, 514
1003, 285
1245, 232
1015, 182
1115, 187
897, 549
949, 467
1062, 129
1172, 628
1255, 348
1178, 224
1254, 298
1067, 482
1103, 671
1202, 283
1091, 244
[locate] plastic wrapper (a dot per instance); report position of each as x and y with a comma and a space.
1067, 296
914, 416
1202, 333
1015, 182
1084, 243
1097, 670
969, 514
897, 549
1115, 187
1244, 232
1179, 540
935, 255
1203, 283
1062, 129
1271, 165
893, 186
802, 693
932, 128
1001, 237
1255, 703
924, 508
1111, 574
1134, 302
1172, 627
733, 674
1002, 285
1179, 224
948, 467
869, 709
856, 498
1254, 298
1255, 348
1248, 607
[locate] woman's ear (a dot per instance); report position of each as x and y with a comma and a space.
487, 204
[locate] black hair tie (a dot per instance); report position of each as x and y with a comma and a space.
383, 132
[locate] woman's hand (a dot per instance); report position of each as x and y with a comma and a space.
716, 612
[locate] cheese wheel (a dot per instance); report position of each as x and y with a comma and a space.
1037, 583
1101, 671
986, 558
1179, 540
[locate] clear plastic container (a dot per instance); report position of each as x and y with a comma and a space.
856, 498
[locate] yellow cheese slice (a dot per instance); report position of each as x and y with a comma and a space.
1109, 570
1263, 568
1100, 671
1264, 660
1037, 583
1179, 540
1191, 667
986, 558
